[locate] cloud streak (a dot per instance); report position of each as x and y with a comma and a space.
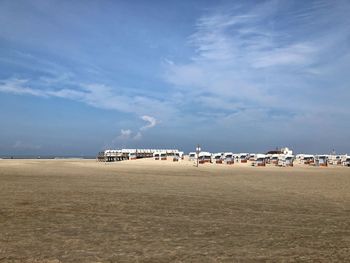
96, 95
151, 122
20, 145
247, 56
127, 135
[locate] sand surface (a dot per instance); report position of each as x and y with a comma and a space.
160, 211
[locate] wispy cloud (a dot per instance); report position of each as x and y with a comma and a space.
249, 56
272, 66
124, 134
151, 122
127, 135
20, 145
138, 136
96, 95
18, 87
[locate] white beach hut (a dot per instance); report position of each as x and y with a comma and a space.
243, 157
252, 157
192, 156
176, 157
181, 154
228, 158
204, 157
307, 159
346, 161
335, 159
156, 155
163, 155
259, 160
132, 154
275, 158
217, 158
321, 160
286, 160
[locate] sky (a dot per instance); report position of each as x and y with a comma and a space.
77, 77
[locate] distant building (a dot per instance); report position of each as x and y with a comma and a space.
284, 150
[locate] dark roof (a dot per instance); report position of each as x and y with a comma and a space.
274, 152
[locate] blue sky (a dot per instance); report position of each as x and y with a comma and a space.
245, 76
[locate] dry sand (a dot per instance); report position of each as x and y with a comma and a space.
154, 211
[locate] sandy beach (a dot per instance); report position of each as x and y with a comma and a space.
161, 211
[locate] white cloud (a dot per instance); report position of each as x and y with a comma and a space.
298, 54
96, 95
127, 135
17, 86
124, 134
25, 146
250, 58
151, 122
138, 136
